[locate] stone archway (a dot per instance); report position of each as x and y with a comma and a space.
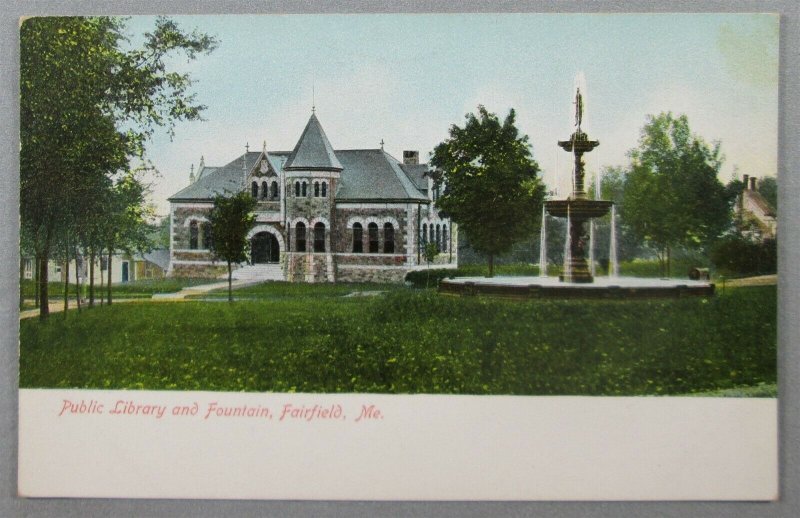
264, 248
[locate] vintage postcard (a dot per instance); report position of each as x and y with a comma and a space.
399, 257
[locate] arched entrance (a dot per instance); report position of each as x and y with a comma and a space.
264, 248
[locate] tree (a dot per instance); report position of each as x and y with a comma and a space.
491, 188
429, 253
768, 187
231, 219
87, 105
672, 194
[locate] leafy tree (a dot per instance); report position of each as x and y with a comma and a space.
429, 253
491, 186
768, 187
87, 105
672, 194
231, 219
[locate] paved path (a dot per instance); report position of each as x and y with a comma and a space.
58, 307
761, 280
200, 289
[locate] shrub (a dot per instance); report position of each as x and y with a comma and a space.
737, 255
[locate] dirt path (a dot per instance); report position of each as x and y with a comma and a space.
762, 280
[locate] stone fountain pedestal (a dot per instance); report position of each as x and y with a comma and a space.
577, 211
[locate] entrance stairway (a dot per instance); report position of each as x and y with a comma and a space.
259, 272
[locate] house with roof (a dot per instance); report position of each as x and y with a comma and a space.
757, 216
322, 215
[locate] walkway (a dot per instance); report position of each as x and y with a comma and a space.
200, 289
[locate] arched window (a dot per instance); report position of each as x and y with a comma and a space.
316, 189
206, 235
300, 237
438, 237
445, 244
324, 189
388, 238
372, 230
424, 233
297, 189
275, 194
358, 238
304, 189
432, 238
319, 237
264, 190
254, 189
193, 235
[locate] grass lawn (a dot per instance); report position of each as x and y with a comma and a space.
300, 338
135, 289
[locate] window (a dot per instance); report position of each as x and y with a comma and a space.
275, 195
264, 190
388, 238
194, 234
297, 189
432, 236
319, 237
103, 263
206, 234
28, 268
445, 244
254, 189
324, 189
372, 230
316, 189
424, 233
300, 237
438, 237
304, 189
358, 238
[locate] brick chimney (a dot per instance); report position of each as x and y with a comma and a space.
753, 183
745, 180
411, 157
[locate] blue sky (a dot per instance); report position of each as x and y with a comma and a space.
406, 78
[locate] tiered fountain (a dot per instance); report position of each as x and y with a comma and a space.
576, 279
577, 208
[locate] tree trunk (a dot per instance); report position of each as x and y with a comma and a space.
21, 279
44, 306
669, 272
65, 273
77, 284
108, 284
230, 289
36, 276
91, 277
102, 279
491, 265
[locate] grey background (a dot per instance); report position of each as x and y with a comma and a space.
788, 293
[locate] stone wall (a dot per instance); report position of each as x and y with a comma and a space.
205, 271
343, 241
382, 275
302, 267
371, 259
180, 230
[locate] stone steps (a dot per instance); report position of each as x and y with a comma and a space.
259, 272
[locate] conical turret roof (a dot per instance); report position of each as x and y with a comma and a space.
313, 151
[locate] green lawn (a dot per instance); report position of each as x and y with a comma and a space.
280, 289
134, 289
409, 341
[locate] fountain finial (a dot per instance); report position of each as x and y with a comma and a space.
578, 108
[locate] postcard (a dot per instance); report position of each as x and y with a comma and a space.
399, 257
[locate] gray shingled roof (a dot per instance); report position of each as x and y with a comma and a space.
227, 178
366, 174
205, 171
313, 151
372, 174
159, 257
416, 172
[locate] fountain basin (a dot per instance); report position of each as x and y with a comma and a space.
551, 287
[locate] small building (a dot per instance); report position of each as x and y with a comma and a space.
322, 215
757, 217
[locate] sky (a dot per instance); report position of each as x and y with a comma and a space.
405, 79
